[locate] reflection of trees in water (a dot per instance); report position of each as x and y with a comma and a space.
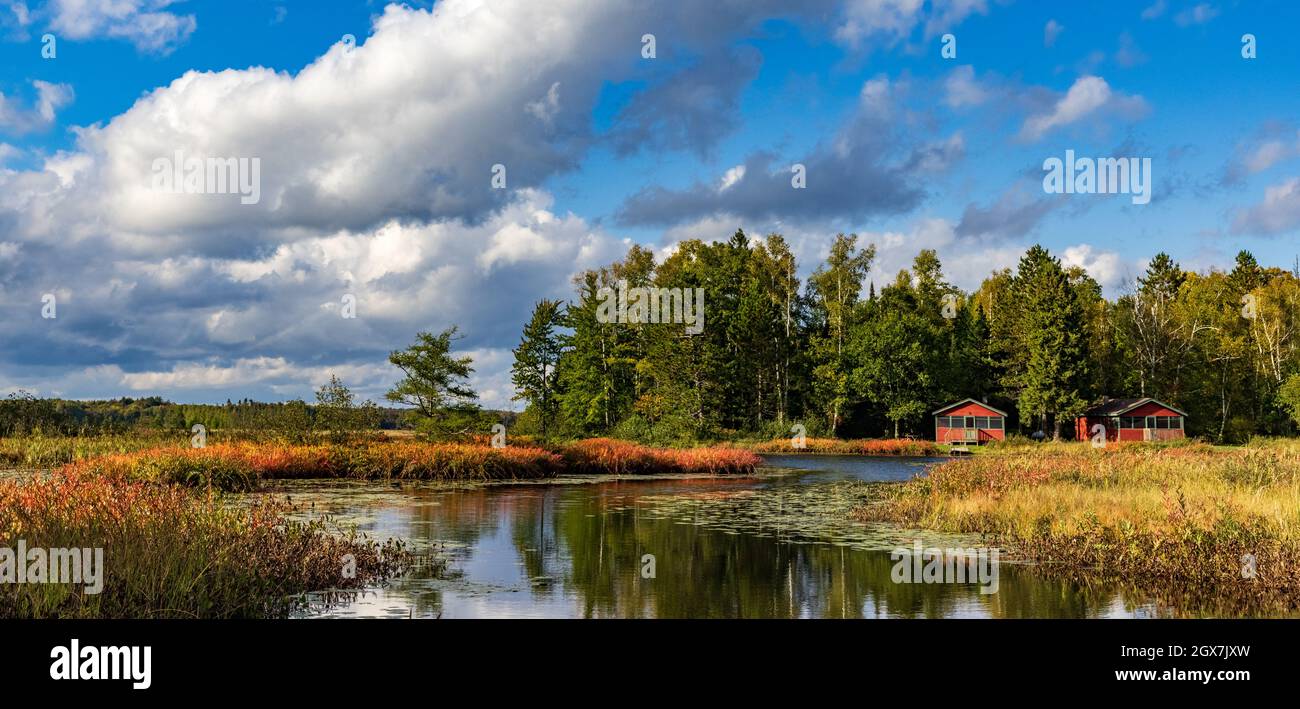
586, 541
462, 517
707, 573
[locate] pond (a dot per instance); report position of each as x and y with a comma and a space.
779, 544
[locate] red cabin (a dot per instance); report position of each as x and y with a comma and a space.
1142, 419
969, 421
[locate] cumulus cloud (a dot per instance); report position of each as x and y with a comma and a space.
1086, 97
148, 24
1105, 267
234, 317
966, 261
360, 136
363, 190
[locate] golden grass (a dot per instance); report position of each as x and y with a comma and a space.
1162, 517
849, 446
240, 466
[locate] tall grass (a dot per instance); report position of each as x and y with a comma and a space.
850, 446
1175, 521
240, 466
169, 552
40, 451
610, 456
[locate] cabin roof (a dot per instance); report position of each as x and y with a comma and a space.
968, 400
1118, 407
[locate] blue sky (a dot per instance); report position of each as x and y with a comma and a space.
376, 161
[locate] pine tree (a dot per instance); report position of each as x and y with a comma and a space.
536, 358
1056, 371
436, 383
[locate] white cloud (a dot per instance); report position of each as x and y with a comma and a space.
732, 176
1273, 145
1280, 210
961, 89
1087, 96
145, 23
375, 183
49, 98
893, 21
1105, 267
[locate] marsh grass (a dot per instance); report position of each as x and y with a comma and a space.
850, 446
1173, 520
607, 456
242, 466
43, 452
172, 553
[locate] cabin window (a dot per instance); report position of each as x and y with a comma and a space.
986, 422
1156, 422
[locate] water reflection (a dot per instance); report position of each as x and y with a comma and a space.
778, 545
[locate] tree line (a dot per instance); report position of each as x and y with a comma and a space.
843, 359
831, 353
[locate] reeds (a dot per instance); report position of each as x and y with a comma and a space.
240, 466
1182, 519
850, 446
610, 456
171, 552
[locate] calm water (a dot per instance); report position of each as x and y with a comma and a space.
777, 545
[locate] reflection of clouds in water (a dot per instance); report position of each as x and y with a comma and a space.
779, 544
